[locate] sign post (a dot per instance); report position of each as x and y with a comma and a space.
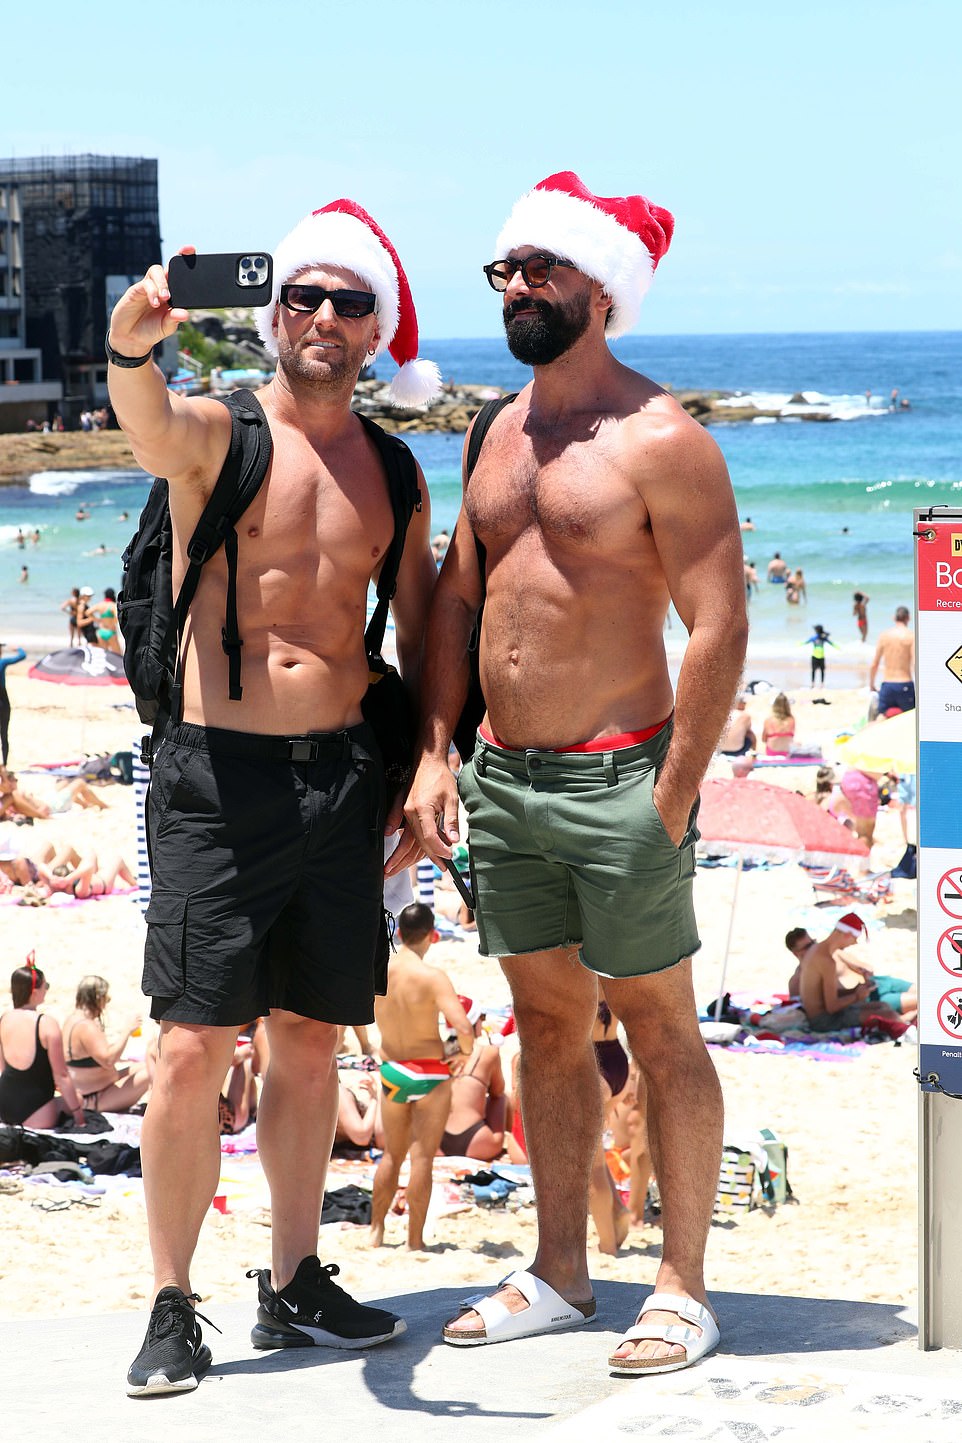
938, 576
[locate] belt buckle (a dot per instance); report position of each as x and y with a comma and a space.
302, 749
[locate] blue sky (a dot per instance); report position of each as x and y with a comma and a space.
810, 153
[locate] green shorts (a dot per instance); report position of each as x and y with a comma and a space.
568, 849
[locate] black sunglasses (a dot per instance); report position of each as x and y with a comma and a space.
535, 271
352, 305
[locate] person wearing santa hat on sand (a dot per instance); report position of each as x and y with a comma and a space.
599, 501
266, 811
840, 991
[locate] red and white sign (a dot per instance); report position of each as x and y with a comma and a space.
950, 892
950, 1013
950, 952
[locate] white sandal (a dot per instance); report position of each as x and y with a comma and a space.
547, 1312
696, 1344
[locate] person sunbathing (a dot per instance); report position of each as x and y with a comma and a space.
475, 1125
828, 1003
358, 1113
237, 1104
16, 805
93, 1061
85, 874
35, 1086
415, 1079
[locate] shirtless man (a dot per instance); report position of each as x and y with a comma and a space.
598, 501
901, 995
777, 569
415, 1079
895, 653
266, 813
828, 1003
738, 737
475, 1125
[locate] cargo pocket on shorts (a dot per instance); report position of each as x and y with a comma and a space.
165, 951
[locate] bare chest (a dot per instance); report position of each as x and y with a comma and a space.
578, 495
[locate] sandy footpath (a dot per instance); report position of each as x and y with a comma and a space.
850, 1126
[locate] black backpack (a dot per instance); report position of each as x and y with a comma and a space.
151, 622
465, 732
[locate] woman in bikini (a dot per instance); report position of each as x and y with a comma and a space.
85, 874
92, 1060
779, 728
608, 1213
32, 1066
105, 614
475, 1125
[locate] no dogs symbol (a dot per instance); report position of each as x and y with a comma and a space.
950, 1014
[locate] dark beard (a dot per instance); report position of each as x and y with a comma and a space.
540, 339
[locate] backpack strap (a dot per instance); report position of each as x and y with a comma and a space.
240, 479
402, 480
480, 429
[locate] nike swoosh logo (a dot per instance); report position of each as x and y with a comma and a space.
292, 1306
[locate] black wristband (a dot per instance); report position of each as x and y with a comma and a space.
129, 363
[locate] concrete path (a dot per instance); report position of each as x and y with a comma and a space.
787, 1368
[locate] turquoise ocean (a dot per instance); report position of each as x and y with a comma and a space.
835, 497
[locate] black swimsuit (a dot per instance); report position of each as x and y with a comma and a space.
611, 1056
24, 1090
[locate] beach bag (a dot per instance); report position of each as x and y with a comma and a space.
466, 730
151, 622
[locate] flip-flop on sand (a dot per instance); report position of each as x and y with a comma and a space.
547, 1312
696, 1344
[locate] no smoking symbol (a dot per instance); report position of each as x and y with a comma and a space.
950, 892
950, 1014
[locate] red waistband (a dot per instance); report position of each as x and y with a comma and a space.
599, 744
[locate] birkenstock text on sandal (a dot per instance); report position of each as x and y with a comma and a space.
547, 1312
697, 1344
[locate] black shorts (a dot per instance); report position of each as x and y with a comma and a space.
266, 858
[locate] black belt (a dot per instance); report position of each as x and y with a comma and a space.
310, 747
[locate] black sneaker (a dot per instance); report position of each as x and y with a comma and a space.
173, 1356
312, 1311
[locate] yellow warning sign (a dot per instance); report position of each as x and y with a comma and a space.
956, 543
954, 664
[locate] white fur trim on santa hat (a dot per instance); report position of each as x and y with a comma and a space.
417, 383
851, 923
334, 239
579, 232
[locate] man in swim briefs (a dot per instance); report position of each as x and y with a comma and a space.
415, 1078
598, 500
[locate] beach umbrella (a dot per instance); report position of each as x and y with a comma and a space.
755, 822
886, 745
81, 666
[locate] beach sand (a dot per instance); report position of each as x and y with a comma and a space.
850, 1126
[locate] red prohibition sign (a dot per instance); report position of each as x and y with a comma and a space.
950, 946
954, 999
952, 882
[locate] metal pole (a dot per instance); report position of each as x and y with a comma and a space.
728, 939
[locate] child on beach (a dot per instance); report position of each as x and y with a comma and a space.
818, 641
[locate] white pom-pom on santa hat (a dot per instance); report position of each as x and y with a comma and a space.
617, 240
342, 234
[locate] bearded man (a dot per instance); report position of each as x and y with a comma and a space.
266, 814
597, 500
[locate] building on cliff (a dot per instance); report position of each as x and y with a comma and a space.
87, 226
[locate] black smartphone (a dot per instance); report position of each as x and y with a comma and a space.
463, 890
213, 282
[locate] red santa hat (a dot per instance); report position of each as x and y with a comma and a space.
616, 240
342, 234
852, 924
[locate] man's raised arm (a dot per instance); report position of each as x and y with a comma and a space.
169, 435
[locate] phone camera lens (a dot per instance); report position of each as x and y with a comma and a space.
246, 263
252, 277
260, 264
